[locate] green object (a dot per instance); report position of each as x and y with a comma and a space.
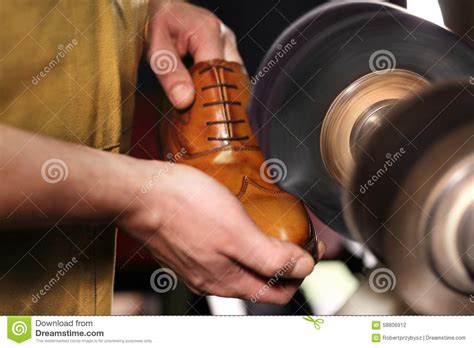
19, 328
316, 322
375, 337
376, 325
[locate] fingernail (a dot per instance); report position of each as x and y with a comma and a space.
321, 249
303, 267
181, 95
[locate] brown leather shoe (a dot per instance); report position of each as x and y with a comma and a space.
217, 138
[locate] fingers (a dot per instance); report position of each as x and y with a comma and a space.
207, 42
249, 286
231, 52
237, 282
268, 256
176, 29
321, 249
170, 71
215, 41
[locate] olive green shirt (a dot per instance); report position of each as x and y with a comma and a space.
67, 70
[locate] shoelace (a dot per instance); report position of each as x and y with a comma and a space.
222, 102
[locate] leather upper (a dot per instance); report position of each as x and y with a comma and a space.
215, 136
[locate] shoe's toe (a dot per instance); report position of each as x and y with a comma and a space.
277, 213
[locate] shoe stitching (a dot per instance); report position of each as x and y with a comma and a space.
246, 181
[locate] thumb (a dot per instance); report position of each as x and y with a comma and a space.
269, 256
171, 72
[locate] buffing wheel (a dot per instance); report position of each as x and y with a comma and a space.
417, 213
331, 49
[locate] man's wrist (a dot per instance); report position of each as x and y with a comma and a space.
140, 194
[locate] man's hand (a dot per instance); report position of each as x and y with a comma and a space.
197, 227
188, 220
175, 29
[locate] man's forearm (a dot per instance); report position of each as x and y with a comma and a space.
44, 181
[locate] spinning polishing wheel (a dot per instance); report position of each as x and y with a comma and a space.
372, 50
419, 215
364, 108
